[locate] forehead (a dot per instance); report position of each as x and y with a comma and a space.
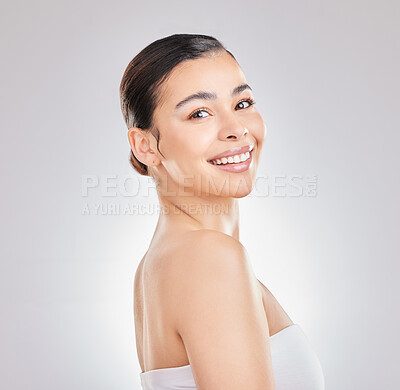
218, 73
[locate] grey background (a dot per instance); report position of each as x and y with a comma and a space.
325, 77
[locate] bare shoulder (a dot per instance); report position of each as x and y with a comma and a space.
208, 253
219, 313
205, 241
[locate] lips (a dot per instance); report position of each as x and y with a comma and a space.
233, 152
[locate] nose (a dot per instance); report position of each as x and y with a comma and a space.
231, 128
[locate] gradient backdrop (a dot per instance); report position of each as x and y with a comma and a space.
326, 79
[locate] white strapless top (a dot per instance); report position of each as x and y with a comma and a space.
295, 365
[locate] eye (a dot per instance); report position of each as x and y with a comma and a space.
249, 101
199, 111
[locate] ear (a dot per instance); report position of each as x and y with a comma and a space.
140, 143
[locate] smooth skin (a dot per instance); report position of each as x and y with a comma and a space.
196, 298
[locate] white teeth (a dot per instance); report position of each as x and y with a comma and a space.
232, 159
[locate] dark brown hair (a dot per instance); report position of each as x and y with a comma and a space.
139, 89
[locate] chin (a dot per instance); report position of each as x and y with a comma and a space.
242, 191
240, 187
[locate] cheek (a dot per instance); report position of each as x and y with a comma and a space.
258, 128
186, 148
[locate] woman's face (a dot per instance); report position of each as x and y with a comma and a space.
196, 129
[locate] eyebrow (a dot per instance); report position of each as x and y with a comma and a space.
204, 95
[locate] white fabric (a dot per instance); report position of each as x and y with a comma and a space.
294, 362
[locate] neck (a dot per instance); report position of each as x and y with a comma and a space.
197, 212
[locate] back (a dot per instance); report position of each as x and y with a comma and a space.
157, 342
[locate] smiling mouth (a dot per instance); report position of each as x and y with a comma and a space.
236, 159
233, 158
234, 164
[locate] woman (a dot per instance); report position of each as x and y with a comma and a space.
202, 319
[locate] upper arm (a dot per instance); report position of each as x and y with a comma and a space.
220, 316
